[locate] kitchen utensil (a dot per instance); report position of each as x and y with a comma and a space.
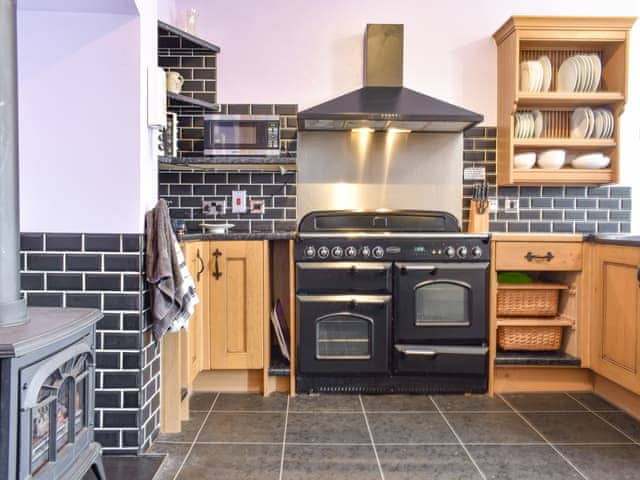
547, 72
479, 209
538, 123
591, 161
580, 123
551, 159
174, 82
567, 80
597, 69
524, 160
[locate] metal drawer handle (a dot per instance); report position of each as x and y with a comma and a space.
531, 257
217, 273
201, 265
638, 274
424, 353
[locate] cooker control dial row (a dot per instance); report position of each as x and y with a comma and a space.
336, 252
450, 252
310, 251
323, 252
378, 252
476, 252
350, 252
462, 252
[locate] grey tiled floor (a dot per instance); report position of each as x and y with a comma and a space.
396, 437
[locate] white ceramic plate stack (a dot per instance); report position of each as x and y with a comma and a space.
579, 73
529, 124
591, 161
535, 75
589, 123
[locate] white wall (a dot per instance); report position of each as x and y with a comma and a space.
306, 52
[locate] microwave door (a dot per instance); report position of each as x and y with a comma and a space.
241, 137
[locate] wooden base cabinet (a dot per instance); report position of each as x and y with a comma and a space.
237, 294
615, 321
197, 258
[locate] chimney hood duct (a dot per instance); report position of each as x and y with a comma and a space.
13, 310
383, 103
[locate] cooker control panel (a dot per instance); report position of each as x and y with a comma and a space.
453, 249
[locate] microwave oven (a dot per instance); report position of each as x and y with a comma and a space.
241, 134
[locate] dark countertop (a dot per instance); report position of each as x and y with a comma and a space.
230, 160
627, 239
288, 235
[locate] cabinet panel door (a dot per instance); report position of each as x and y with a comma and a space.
197, 255
237, 304
616, 319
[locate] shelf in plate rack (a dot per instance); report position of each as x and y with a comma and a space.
567, 99
568, 143
562, 176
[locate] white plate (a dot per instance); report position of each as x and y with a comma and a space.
588, 70
537, 67
608, 123
583, 73
597, 71
531, 125
567, 80
525, 77
591, 161
592, 122
611, 124
517, 125
579, 123
538, 123
547, 72
598, 128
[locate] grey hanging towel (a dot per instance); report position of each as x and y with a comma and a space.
173, 293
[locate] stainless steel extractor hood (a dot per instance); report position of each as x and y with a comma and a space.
383, 103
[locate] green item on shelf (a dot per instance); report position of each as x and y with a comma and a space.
514, 277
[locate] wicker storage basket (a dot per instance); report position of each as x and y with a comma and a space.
530, 338
532, 300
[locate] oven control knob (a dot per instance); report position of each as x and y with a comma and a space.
336, 252
366, 251
462, 252
450, 252
310, 252
350, 252
378, 252
323, 252
476, 252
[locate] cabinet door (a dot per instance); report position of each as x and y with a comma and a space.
237, 304
197, 258
616, 315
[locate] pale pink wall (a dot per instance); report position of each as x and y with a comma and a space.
79, 106
305, 52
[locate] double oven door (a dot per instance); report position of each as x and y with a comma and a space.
441, 318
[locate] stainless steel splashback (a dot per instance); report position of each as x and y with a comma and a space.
351, 170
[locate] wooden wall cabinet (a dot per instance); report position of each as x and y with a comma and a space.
527, 38
236, 316
615, 315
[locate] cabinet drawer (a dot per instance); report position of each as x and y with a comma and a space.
343, 277
538, 256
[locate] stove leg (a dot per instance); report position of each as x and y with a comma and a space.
98, 469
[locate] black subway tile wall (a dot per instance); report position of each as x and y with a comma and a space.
544, 209
104, 271
185, 191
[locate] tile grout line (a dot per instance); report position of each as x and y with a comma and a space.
196, 437
373, 443
524, 419
460, 442
284, 439
597, 415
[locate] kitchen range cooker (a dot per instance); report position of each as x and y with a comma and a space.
390, 301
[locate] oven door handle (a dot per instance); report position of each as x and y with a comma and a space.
414, 350
407, 267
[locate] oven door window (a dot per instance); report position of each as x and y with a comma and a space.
344, 336
442, 302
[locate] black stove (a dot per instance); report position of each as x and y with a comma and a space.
391, 301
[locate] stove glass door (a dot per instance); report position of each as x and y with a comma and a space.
344, 336
441, 302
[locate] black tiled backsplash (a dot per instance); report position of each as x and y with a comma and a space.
104, 271
185, 191
558, 209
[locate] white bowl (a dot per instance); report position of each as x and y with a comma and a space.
524, 160
591, 161
551, 159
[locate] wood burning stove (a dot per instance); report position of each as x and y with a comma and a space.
47, 396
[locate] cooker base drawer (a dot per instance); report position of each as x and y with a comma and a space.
385, 384
441, 360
